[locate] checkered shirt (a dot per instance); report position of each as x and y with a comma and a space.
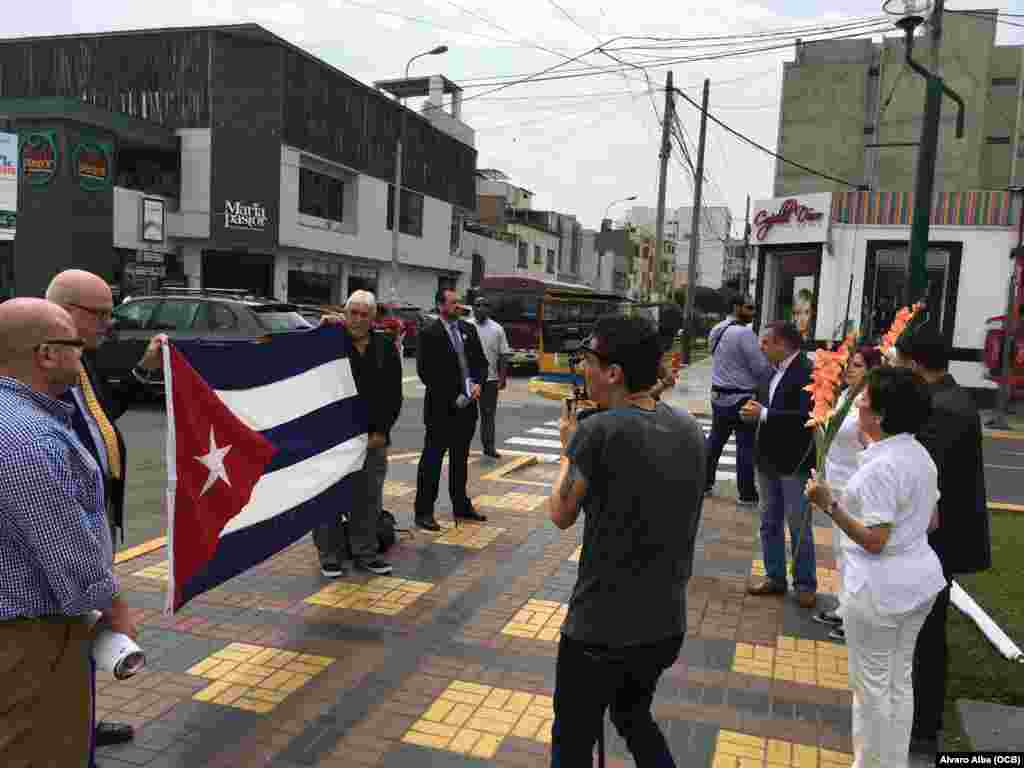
56, 556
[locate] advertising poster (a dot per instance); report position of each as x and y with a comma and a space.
8, 184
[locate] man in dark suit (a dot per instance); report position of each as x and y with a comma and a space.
450, 361
784, 455
962, 539
87, 298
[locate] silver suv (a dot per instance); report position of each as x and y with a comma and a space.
182, 313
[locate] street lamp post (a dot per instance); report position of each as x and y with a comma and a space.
616, 202
397, 206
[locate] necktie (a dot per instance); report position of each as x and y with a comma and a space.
106, 428
460, 350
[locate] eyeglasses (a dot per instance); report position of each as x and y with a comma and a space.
588, 345
75, 343
101, 314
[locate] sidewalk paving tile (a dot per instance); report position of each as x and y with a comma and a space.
450, 660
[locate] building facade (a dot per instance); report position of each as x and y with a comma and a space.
835, 264
715, 231
842, 98
223, 157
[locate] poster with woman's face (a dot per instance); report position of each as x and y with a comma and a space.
803, 306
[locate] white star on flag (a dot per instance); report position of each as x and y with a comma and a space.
214, 461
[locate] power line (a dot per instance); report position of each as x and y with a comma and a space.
765, 149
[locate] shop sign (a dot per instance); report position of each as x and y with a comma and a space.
248, 216
802, 219
8, 182
40, 157
91, 162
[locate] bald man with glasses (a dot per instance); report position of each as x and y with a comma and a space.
88, 300
56, 552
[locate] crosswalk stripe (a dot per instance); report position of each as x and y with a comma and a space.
534, 442
542, 431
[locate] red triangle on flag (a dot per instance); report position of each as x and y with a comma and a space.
218, 461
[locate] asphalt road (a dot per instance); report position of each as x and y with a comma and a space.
1004, 470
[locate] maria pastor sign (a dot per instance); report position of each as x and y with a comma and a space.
793, 219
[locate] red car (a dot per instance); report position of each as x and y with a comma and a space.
399, 320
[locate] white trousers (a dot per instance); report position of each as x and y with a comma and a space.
881, 658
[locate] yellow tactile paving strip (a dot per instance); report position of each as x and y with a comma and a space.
254, 677
472, 719
576, 554
516, 502
160, 571
470, 536
828, 580
537, 620
739, 750
811, 662
394, 488
384, 595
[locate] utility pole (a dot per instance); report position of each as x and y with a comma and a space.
698, 188
924, 188
745, 285
666, 150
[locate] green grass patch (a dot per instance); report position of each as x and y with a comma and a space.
977, 670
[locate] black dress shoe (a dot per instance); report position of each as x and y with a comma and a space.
113, 733
471, 514
492, 454
427, 524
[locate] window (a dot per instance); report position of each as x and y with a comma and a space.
279, 317
220, 317
523, 255
796, 281
134, 315
537, 258
551, 260
321, 195
174, 316
411, 217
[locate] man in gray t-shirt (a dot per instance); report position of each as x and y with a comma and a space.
636, 469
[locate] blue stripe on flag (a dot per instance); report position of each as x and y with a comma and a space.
240, 550
316, 432
246, 364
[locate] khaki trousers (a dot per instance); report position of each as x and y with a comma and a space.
45, 693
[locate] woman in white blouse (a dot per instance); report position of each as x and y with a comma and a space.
842, 463
891, 576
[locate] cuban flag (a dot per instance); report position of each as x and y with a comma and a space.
262, 443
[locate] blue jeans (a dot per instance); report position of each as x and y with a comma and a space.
783, 502
724, 421
590, 679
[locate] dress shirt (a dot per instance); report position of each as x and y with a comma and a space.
779, 373
738, 362
56, 555
94, 428
459, 345
897, 485
494, 343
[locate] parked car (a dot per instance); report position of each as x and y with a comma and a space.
216, 315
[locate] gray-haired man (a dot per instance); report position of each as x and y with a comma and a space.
378, 375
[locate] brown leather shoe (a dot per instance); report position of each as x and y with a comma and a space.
807, 599
766, 587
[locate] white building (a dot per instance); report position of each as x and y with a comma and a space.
818, 254
715, 229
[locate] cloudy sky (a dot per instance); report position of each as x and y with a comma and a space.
578, 142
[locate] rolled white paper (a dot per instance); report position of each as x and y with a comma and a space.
967, 606
115, 652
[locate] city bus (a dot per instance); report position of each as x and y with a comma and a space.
544, 318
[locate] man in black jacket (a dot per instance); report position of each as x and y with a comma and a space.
377, 371
784, 456
87, 298
962, 539
450, 361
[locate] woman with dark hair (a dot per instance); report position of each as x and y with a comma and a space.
890, 575
842, 461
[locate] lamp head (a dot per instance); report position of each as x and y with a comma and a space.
439, 50
910, 14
